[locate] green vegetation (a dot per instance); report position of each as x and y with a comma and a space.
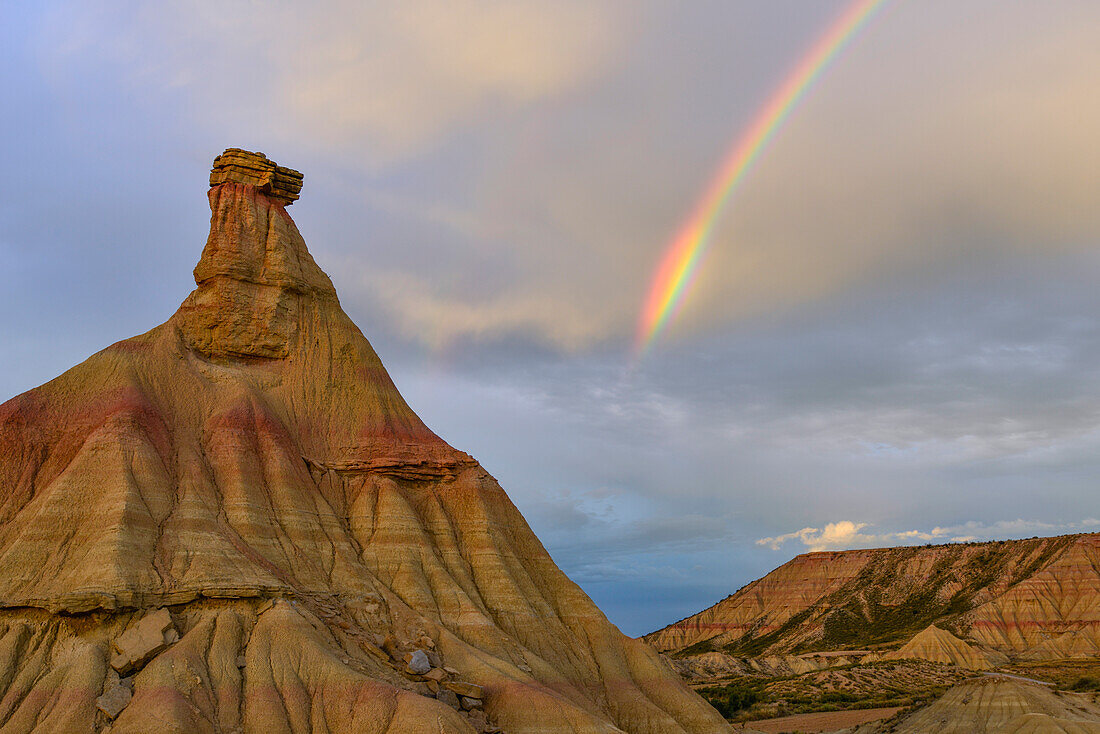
883, 605
697, 649
750, 697
755, 645
734, 698
847, 626
860, 613
1067, 675
1046, 553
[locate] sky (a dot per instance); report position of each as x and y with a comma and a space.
893, 337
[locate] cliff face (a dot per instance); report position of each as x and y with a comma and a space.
327, 562
764, 606
1011, 596
1058, 604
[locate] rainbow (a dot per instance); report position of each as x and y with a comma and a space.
680, 261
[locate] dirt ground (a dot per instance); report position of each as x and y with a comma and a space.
820, 722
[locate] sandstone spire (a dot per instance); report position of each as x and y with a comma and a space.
320, 560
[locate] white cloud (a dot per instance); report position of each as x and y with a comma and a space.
846, 534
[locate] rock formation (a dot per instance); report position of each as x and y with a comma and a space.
235, 523
940, 646
1025, 598
710, 666
254, 169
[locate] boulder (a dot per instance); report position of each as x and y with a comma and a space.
416, 662
448, 697
463, 688
143, 641
479, 721
391, 647
116, 695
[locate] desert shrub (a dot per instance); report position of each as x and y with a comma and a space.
731, 699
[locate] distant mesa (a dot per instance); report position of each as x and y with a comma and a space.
879, 629
256, 169
1035, 598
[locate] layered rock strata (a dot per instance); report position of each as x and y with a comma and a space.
1025, 598
244, 166
247, 478
940, 646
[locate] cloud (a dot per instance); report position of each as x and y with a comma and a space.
896, 322
601, 530
912, 160
846, 534
439, 321
409, 73
377, 81
570, 139
919, 155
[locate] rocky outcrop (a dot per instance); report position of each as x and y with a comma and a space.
250, 469
143, 641
244, 166
1008, 596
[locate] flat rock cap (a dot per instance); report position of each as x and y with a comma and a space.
255, 169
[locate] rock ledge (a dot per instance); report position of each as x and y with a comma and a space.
255, 169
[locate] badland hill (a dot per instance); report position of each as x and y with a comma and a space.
953, 635
1035, 598
235, 523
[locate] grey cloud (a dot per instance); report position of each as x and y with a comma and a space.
522, 171
909, 161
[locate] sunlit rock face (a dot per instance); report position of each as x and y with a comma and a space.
326, 562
